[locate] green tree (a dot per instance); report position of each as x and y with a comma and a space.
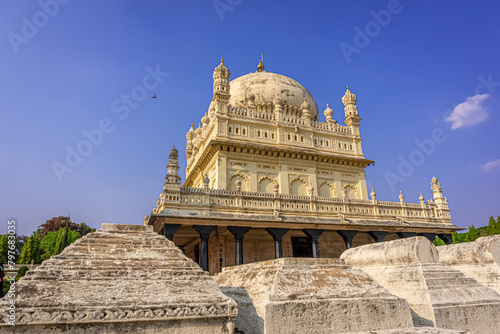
61, 241
49, 242
20, 240
30, 251
458, 237
4, 248
84, 229
494, 226
438, 242
472, 235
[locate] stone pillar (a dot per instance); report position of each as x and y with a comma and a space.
169, 230
429, 236
204, 231
406, 234
378, 236
314, 234
238, 232
347, 235
447, 238
277, 234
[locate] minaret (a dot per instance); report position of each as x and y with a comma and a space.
172, 188
189, 142
221, 87
351, 112
172, 179
437, 192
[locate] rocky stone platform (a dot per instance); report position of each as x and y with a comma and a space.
479, 260
415, 330
439, 296
304, 295
120, 279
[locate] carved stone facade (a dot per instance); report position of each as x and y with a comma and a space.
261, 158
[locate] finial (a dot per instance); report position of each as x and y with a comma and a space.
347, 86
328, 105
260, 67
222, 60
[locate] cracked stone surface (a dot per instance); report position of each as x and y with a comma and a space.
479, 260
415, 330
438, 295
120, 279
304, 295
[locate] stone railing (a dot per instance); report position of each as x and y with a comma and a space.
307, 206
330, 131
289, 120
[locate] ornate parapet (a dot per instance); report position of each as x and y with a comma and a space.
217, 200
261, 126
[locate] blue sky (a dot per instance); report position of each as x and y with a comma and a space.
424, 67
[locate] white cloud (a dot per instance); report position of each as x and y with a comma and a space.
469, 113
489, 166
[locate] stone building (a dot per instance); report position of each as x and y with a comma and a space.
265, 179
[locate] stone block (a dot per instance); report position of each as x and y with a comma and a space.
479, 260
305, 295
439, 296
120, 279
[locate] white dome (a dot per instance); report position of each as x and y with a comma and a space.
265, 86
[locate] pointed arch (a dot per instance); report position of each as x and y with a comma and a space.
298, 187
350, 191
243, 179
326, 190
266, 184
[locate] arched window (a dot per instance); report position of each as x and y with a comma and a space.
350, 192
298, 188
325, 191
266, 186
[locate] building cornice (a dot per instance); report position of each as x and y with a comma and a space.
258, 149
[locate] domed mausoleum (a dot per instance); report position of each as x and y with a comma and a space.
263, 87
265, 179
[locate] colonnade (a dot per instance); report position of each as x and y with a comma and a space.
278, 234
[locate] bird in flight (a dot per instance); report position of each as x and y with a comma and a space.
154, 96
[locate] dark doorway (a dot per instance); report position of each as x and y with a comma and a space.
301, 247
197, 254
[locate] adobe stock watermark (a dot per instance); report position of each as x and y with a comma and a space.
119, 106
30, 27
428, 146
372, 29
222, 6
